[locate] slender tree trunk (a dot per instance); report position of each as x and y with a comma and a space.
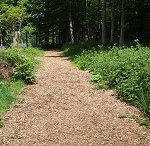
122, 30
15, 37
112, 21
39, 38
60, 38
85, 17
76, 28
1, 39
99, 20
19, 36
103, 21
71, 28
27, 39
36, 39
47, 36
1, 44
16, 34
53, 36
141, 18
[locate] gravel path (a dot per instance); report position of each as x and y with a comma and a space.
63, 109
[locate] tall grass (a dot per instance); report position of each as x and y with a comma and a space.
8, 93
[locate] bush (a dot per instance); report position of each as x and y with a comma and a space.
125, 69
78, 48
23, 62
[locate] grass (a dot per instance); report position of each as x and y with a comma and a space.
125, 69
8, 92
23, 63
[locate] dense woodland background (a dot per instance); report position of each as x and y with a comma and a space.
49, 22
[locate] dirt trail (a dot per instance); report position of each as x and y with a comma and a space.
62, 109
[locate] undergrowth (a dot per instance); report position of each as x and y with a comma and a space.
23, 62
8, 92
125, 69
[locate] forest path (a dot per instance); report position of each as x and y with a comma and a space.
63, 109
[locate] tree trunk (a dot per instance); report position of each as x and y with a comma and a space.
16, 36
39, 37
85, 17
53, 36
60, 36
99, 21
103, 21
1, 43
47, 36
122, 29
71, 26
15, 39
27, 39
1, 39
19, 39
36, 39
141, 18
112, 21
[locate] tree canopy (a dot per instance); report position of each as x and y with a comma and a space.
45, 22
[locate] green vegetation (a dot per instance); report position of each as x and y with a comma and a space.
50, 22
8, 93
17, 66
22, 61
125, 69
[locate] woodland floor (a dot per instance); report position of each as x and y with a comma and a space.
63, 109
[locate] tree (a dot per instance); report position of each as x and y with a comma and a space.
112, 21
122, 29
13, 17
74, 20
70, 23
103, 21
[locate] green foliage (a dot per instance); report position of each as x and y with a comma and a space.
12, 16
32, 52
23, 62
23, 67
81, 48
24, 72
8, 93
125, 69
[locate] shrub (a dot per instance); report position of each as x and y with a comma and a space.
78, 48
23, 62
